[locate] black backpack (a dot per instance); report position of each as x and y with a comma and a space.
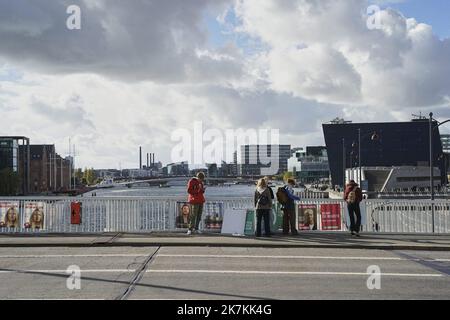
263, 200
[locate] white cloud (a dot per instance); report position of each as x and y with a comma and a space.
323, 50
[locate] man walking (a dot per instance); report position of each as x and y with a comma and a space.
196, 191
353, 197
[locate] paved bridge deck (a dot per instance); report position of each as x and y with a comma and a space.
304, 240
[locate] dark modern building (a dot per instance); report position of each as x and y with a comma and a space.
14, 161
382, 145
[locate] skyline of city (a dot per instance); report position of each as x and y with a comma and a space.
112, 85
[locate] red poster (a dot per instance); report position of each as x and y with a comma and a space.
75, 213
331, 216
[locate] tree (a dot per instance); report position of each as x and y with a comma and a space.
91, 176
287, 175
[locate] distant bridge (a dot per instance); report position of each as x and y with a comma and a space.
166, 180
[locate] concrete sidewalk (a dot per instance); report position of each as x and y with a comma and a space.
303, 240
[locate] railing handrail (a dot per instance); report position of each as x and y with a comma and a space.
168, 198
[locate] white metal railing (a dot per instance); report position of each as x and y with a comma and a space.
146, 214
101, 214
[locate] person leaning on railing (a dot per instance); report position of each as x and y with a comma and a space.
196, 197
353, 196
263, 206
289, 208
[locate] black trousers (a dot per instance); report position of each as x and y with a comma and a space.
262, 214
354, 210
289, 221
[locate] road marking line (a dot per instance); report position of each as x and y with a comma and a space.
288, 257
298, 273
71, 256
229, 272
65, 271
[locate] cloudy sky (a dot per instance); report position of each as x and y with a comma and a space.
138, 70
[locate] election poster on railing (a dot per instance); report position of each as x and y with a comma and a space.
276, 218
184, 212
76, 213
250, 222
213, 216
307, 217
330, 216
276, 221
34, 215
9, 214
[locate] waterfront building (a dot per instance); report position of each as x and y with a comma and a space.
385, 144
309, 164
12, 161
256, 160
394, 179
178, 169
49, 172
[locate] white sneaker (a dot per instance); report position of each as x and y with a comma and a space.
189, 232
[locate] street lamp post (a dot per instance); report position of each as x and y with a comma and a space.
431, 157
344, 165
359, 156
432, 128
431, 170
374, 137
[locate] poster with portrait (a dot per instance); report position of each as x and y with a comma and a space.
9, 214
330, 214
213, 216
307, 217
184, 212
34, 215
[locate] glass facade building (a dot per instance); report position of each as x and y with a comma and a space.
11, 157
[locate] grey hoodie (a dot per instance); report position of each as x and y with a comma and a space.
263, 199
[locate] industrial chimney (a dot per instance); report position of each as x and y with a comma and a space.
140, 157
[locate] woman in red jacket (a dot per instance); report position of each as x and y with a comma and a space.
196, 197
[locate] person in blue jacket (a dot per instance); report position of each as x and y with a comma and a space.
289, 208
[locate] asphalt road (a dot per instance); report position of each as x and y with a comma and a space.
222, 273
